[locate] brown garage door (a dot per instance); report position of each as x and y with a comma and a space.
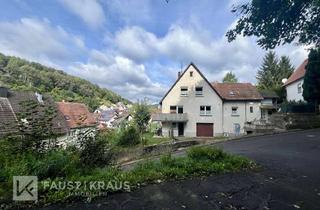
205, 129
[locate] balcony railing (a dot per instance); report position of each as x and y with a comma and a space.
170, 117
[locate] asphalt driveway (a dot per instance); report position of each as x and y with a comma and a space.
289, 179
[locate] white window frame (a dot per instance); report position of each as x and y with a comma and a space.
183, 93
199, 93
234, 113
299, 86
206, 112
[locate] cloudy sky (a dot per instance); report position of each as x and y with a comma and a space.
133, 47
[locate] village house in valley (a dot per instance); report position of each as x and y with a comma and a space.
21, 112
195, 107
294, 83
80, 122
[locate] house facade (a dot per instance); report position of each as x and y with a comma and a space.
80, 122
294, 83
195, 107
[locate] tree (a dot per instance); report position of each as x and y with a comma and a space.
278, 22
230, 78
267, 72
272, 72
311, 84
285, 69
141, 115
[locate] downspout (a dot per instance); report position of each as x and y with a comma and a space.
245, 111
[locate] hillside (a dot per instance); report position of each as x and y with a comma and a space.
19, 74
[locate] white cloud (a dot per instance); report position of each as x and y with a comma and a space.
136, 43
187, 44
90, 11
119, 74
38, 40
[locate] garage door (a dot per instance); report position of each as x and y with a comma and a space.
205, 129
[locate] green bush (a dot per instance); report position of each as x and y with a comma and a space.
95, 152
206, 153
129, 136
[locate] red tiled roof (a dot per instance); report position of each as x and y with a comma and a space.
237, 91
297, 74
76, 114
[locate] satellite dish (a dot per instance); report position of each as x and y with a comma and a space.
284, 80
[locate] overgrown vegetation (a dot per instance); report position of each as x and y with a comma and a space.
311, 84
66, 165
271, 73
20, 74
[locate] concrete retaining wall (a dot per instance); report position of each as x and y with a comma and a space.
295, 120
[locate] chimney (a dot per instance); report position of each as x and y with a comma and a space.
179, 74
3, 92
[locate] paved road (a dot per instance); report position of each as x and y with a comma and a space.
289, 179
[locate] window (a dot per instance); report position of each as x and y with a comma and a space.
234, 110
184, 91
191, 73
299, 87
251, 109
205, 110
199, 91
173, 109
180, 109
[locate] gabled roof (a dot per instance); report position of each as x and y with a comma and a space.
8, 119
237, 91
297, 74
196, 68
12, 107
77, 115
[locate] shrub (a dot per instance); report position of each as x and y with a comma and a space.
95, 152
206, 153
128, 136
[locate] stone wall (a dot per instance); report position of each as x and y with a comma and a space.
295, 120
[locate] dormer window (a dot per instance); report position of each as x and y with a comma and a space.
184, 91
231, 93
191, 73
199, 91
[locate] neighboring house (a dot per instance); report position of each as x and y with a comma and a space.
106, 118
12, 113
294, 83
195, 107
80, 122
269, 104
121, 119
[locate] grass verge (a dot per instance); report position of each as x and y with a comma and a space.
199, 161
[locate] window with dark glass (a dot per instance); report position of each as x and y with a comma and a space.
234, 110
205, 110
199, 91
184, 91
173, 109
251, 109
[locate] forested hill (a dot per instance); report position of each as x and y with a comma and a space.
19, 74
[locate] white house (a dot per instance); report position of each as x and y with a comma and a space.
195, 107
294, 83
